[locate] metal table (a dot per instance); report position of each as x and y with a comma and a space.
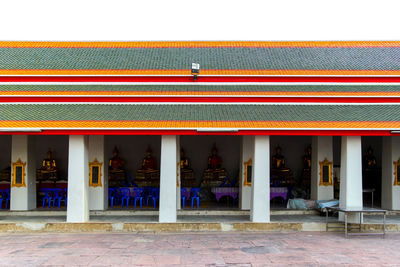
356, 210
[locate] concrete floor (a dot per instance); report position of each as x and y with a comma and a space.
197, 249
390, 219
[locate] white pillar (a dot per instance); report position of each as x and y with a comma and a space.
98, 196
247, 153
178, 174
260, 210
322, 148
351, 175
24, 198
390, 154
168, 179
78, 179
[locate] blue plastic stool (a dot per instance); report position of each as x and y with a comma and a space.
138, 195
195, 196
125, 196
47, 196
183, 196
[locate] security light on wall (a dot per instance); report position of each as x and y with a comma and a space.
195, 70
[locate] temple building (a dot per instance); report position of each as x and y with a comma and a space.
136, 125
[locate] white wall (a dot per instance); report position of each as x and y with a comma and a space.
247, 152
24, 198
168, 177
260, 190
98, 196
322, 149
390, 192
78, 179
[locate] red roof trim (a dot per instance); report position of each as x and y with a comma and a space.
193, 132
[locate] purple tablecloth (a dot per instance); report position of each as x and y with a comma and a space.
225, 191
278, 192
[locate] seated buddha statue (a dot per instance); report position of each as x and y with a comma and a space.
214, 161
278, 160
280, 175
214, 175
116, 174
49, 163
116, 163
48, 171
187, 174
184, 163
149, 163
371, 173
369, 160
148, 174
307, 159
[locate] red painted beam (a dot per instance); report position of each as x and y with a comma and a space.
195, 99
238, 79
194, 132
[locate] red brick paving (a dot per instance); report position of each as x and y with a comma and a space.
198, 249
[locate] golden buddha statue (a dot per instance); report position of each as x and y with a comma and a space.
49, 163
184, 163
214, 175
369, 159
307, 159
187, 174
371, 177
148, 174
116, 174
116, 163
278, 160
280, 175
306, 176
214, 161
149, 163
49, 170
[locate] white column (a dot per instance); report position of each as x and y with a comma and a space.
168, 179
247, 153
178, 170
322, 148
351, 175
78, 179
260, 210
98, 196
390, 154
24, 198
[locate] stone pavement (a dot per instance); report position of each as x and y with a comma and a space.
198, 249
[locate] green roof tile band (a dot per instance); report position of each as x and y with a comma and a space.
229, 58
202, 112
201, 88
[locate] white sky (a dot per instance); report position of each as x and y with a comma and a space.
199, 20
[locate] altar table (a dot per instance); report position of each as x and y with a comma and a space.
278, 192
225, 191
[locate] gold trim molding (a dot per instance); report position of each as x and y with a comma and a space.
95, 163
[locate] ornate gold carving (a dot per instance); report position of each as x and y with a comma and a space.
18, 168
248, 175
95, 168
396, 172
325, 172
177, 173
